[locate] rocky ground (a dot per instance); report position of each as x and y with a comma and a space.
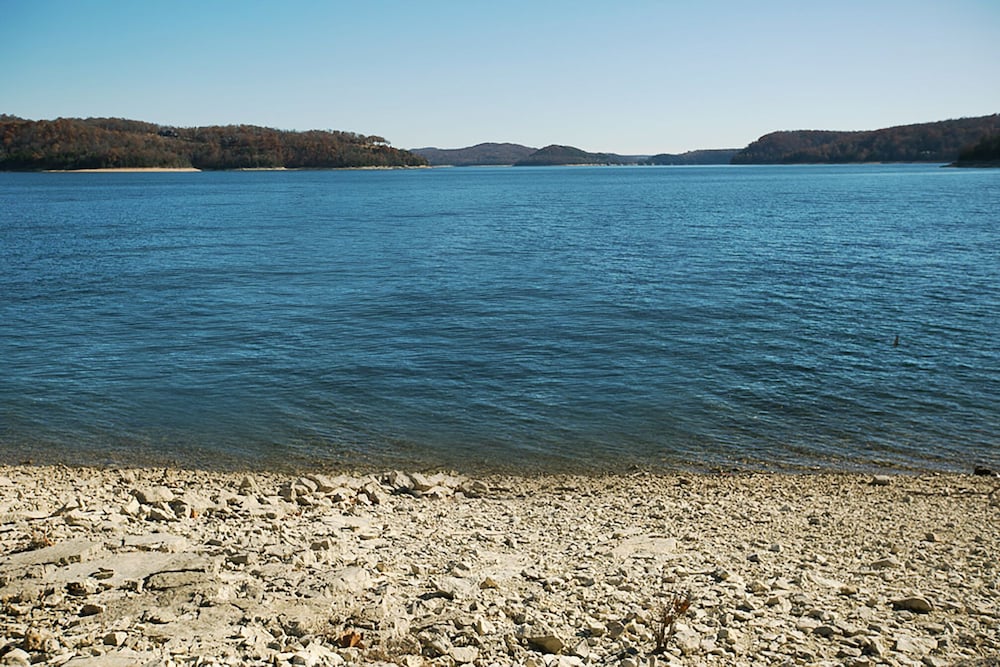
170, 567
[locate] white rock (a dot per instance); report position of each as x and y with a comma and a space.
455, 588
464, 654
915, 645
154, 494
16, 658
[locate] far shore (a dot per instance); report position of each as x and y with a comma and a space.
147, 170
122, 170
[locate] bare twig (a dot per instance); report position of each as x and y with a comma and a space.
669, 613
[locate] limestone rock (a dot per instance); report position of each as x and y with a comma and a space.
154, 494
463, 655
455, 588
547, 643
915, 645
16, 658
115, 638
915, 603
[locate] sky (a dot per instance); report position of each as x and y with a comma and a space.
623, 76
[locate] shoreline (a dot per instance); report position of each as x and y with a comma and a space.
172, 566
166, 170
123, 170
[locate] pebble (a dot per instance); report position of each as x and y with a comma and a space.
189, 569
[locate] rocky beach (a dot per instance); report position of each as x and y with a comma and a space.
175, 567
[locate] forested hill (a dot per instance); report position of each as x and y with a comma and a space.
925, 142
102, 143
986, 153
568, 155
478, 155
707, 156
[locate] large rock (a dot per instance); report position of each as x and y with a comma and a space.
545, 642
913, 603
154, 494
64, 553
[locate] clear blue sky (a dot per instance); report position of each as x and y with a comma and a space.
623, 76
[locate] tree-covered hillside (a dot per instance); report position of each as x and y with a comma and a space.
708, 156
568, 155
986, 153
925, 142
478, 155
101, 143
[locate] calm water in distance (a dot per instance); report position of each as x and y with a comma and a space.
527, 319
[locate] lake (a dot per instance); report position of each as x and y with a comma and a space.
522, 319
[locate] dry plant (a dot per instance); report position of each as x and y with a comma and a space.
669, 613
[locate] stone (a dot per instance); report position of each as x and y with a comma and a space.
615, 629
248, 485
483, 626
92, 609
474, 489
885, 563
915, 603
915, 645
463, 655
16, 658
160, 514
352, 580
420, 482
686, 638
729, 635
38, 640
166, 580
154, 494
546, 643
82, 588
64, 553
163, 542
115, 638
581, 649
455, 588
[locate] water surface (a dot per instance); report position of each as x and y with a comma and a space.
536, 318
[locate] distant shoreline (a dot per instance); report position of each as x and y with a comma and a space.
153, 170
120, 170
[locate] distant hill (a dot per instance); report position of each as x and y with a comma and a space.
488, 154
713, 156
101, 143
941, 141
568, 155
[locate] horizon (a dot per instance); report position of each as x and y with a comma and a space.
650, 77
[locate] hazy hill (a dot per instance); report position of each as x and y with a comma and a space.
713, 156
97, 143
479, 155
941, 141
568, 155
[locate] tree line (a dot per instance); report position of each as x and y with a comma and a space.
103, 143
986, 153
925, 142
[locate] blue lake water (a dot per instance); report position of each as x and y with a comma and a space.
529, 319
